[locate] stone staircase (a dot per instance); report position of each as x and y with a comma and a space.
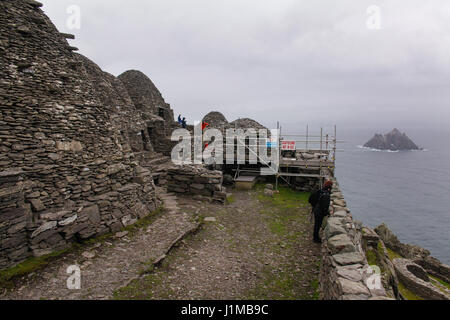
169, 199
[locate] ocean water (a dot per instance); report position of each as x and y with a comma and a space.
409, 191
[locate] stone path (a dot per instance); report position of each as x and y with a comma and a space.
108, 266
254, 248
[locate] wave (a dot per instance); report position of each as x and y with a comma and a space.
390, 151
376, 150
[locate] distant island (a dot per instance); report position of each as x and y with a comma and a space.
393, 141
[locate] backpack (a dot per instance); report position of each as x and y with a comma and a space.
314, 198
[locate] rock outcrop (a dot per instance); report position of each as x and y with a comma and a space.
393, 141
414, 253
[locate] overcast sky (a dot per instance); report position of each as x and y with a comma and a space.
294, 61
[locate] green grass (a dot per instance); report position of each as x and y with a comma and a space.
371, 257
442, 282
392, 254
36, 263
286, 198
231, 199
32, 264
407, 294
281, 211
142, 289
315, 286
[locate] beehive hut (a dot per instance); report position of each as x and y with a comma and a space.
69, 136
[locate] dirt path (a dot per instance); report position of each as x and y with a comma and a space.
106, 266
255, 247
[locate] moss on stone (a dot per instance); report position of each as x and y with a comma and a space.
408, 294
32, 264
392, 254
441, 282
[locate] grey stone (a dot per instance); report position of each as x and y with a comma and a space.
332, 228
37, 204
353, 288
340, 243
68, 221
46, 226
121, 234
352, 273
348, 258
88, 255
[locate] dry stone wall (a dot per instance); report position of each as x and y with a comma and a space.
155, 112
69, 139
197, 181
344, 272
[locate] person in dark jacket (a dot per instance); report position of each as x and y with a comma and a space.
183, 123
179, 119
321, 210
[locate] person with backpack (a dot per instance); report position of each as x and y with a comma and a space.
320, 202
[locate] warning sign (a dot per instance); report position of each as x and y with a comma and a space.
288, 145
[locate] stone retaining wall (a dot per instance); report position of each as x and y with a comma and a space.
197, 180
344, 272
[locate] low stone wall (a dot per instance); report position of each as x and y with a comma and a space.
345, 273
196, 180
32, 224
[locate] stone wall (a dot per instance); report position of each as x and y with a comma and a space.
344, 272
197, 181
70, 139
154, 111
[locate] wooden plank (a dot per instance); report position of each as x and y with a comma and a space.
246, 178
286, 174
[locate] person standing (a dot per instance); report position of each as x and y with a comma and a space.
179, 119
322, 209
183, 123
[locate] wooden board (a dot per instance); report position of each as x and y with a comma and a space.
245, 182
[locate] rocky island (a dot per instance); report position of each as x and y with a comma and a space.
393, 141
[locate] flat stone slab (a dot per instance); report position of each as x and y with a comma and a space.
340, 243
348, 258
210, 219
354, 288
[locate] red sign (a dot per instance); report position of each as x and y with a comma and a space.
288, 145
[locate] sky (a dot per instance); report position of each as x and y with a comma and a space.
298, 62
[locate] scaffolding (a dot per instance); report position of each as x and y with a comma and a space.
306, 162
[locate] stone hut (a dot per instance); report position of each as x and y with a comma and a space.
153, 110
71, 137
216, 120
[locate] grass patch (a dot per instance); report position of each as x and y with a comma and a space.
407, 294
392, 254
371, 257
36, 263
32, 264
138, 289
442, 282
231, 199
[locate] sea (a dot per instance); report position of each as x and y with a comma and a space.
407, 190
